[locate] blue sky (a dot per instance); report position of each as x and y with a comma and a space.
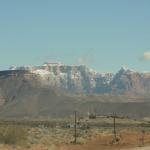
104, 34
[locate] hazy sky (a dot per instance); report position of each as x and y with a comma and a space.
105, 34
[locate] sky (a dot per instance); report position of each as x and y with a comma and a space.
103, 34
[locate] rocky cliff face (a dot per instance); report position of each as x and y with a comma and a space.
81, 79
78, 79
130, 82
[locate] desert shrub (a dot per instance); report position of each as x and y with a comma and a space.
92, 116
13, 135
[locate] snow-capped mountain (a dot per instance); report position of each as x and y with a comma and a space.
73, 78
127, 81
50, 90
82, 79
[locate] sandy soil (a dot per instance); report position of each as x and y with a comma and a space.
127, 141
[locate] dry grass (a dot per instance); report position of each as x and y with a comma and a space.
13, 135
41, 137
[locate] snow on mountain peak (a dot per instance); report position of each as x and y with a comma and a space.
124, 68
41, 72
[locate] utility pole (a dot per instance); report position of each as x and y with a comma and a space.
143, 137
75, 128
114, 122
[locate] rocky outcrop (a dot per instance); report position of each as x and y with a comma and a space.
81, 79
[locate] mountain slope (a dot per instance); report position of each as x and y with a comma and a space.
24, 96
58, 90
81, 79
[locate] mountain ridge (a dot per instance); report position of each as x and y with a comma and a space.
82, 79
24, 93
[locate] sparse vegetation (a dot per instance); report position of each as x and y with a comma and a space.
54, 134
92, 116
13, 135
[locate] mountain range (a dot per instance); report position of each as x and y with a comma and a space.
82, 79
56, 90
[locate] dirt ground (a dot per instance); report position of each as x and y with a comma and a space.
99, 136
126, 141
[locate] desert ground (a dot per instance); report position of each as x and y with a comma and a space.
92, 134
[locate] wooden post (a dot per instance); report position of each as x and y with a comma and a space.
114, 120
75, 128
